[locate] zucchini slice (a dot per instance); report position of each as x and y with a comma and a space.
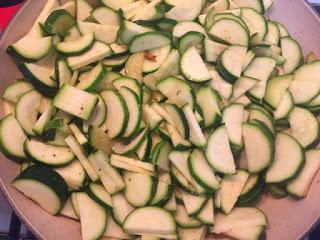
99, 194
159, 222
76, 47
292, 52
117, 113
185, 11
259, 146
207, 101
229, 31
170, 67
177, 140
218, 152
260, 68
74, 174
59, 22
183, 220
288, 162
193, 204
31, 49
140, 188
164, 190
273, 34
121, 208
130, 83
151, 117
306, 84
182, 28
196, 136
212, 50
251, 191
241, 86
109, 176
68, 210
299, 187
275, 89
154, 58
75, 101
202, 171
15, 90
178, 118
206, 215
132, 164
93, 217
89, 80
113, 230
97, 52
106, 16
159, 155
26, 111
284, 107
44, 186
12, 138
148, 41
217, 83
231, 116
48, 154
258, 114
230, 63
304, 127
133, 145
132, 101
193, 67
191, 39
231, 187
99, 114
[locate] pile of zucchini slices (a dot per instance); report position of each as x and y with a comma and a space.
161, 119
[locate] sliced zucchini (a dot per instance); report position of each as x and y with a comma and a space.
98, 193
76, 47
121, 208
241, 223
218, 152
74, 174
251, 191
99, 114
164, 190
231, 116
109, 176
185, 11
118, 113
83, 10
170, 67
299, 187
132, 101
130, 83
288, 162
93, 217
196, 136
171, 204
231, 187
154, 58
182, 28
113, 230
103, 33
59, 22
179, 119
190, 39
292, 52
15, 90
148, 41
284, 107
31, 49
133, 145
305, 85
229, 31
79, 153
201, 171
178, 91
213, 50
151, 117
159, 155
257, 114
304, 127
89, 80
207, 101
26, 111
241, 86
230, 63
193, 67
260, 68
106, 16
75, 101
275, 90
159, 222
44, 186
97, 52
40, 77
144, 150
129, 30
193, 204
224, 88
183, 220
273, 34
68, 210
